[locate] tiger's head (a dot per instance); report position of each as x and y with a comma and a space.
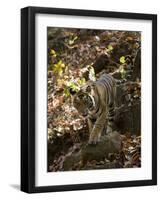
84, 99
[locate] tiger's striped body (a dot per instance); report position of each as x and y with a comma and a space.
97, 101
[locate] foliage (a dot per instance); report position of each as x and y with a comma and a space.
109, 47
72, 40
122, 59
53, 53
58, 67
122, 71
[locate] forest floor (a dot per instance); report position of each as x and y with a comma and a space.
74, 57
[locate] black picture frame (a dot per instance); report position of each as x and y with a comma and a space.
28, 98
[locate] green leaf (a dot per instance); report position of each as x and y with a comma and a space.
122, 59
66, 92
53, 53
73, 86
61, 64
75, 38
58, 67
81, 81
71, 41
122, 71
110, 47
60, 71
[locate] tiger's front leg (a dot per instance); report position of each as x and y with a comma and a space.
90, 125
97, 129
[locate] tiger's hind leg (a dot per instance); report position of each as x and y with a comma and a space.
111, 116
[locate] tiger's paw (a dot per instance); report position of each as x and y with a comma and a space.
93, 140
108, 130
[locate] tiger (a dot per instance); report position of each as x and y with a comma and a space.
96, 101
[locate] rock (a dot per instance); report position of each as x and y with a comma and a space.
128, 119
110, 143
70, 161
110, 165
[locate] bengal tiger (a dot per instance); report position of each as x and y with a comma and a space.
96, 100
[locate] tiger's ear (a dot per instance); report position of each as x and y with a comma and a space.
90, 86
88, 89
